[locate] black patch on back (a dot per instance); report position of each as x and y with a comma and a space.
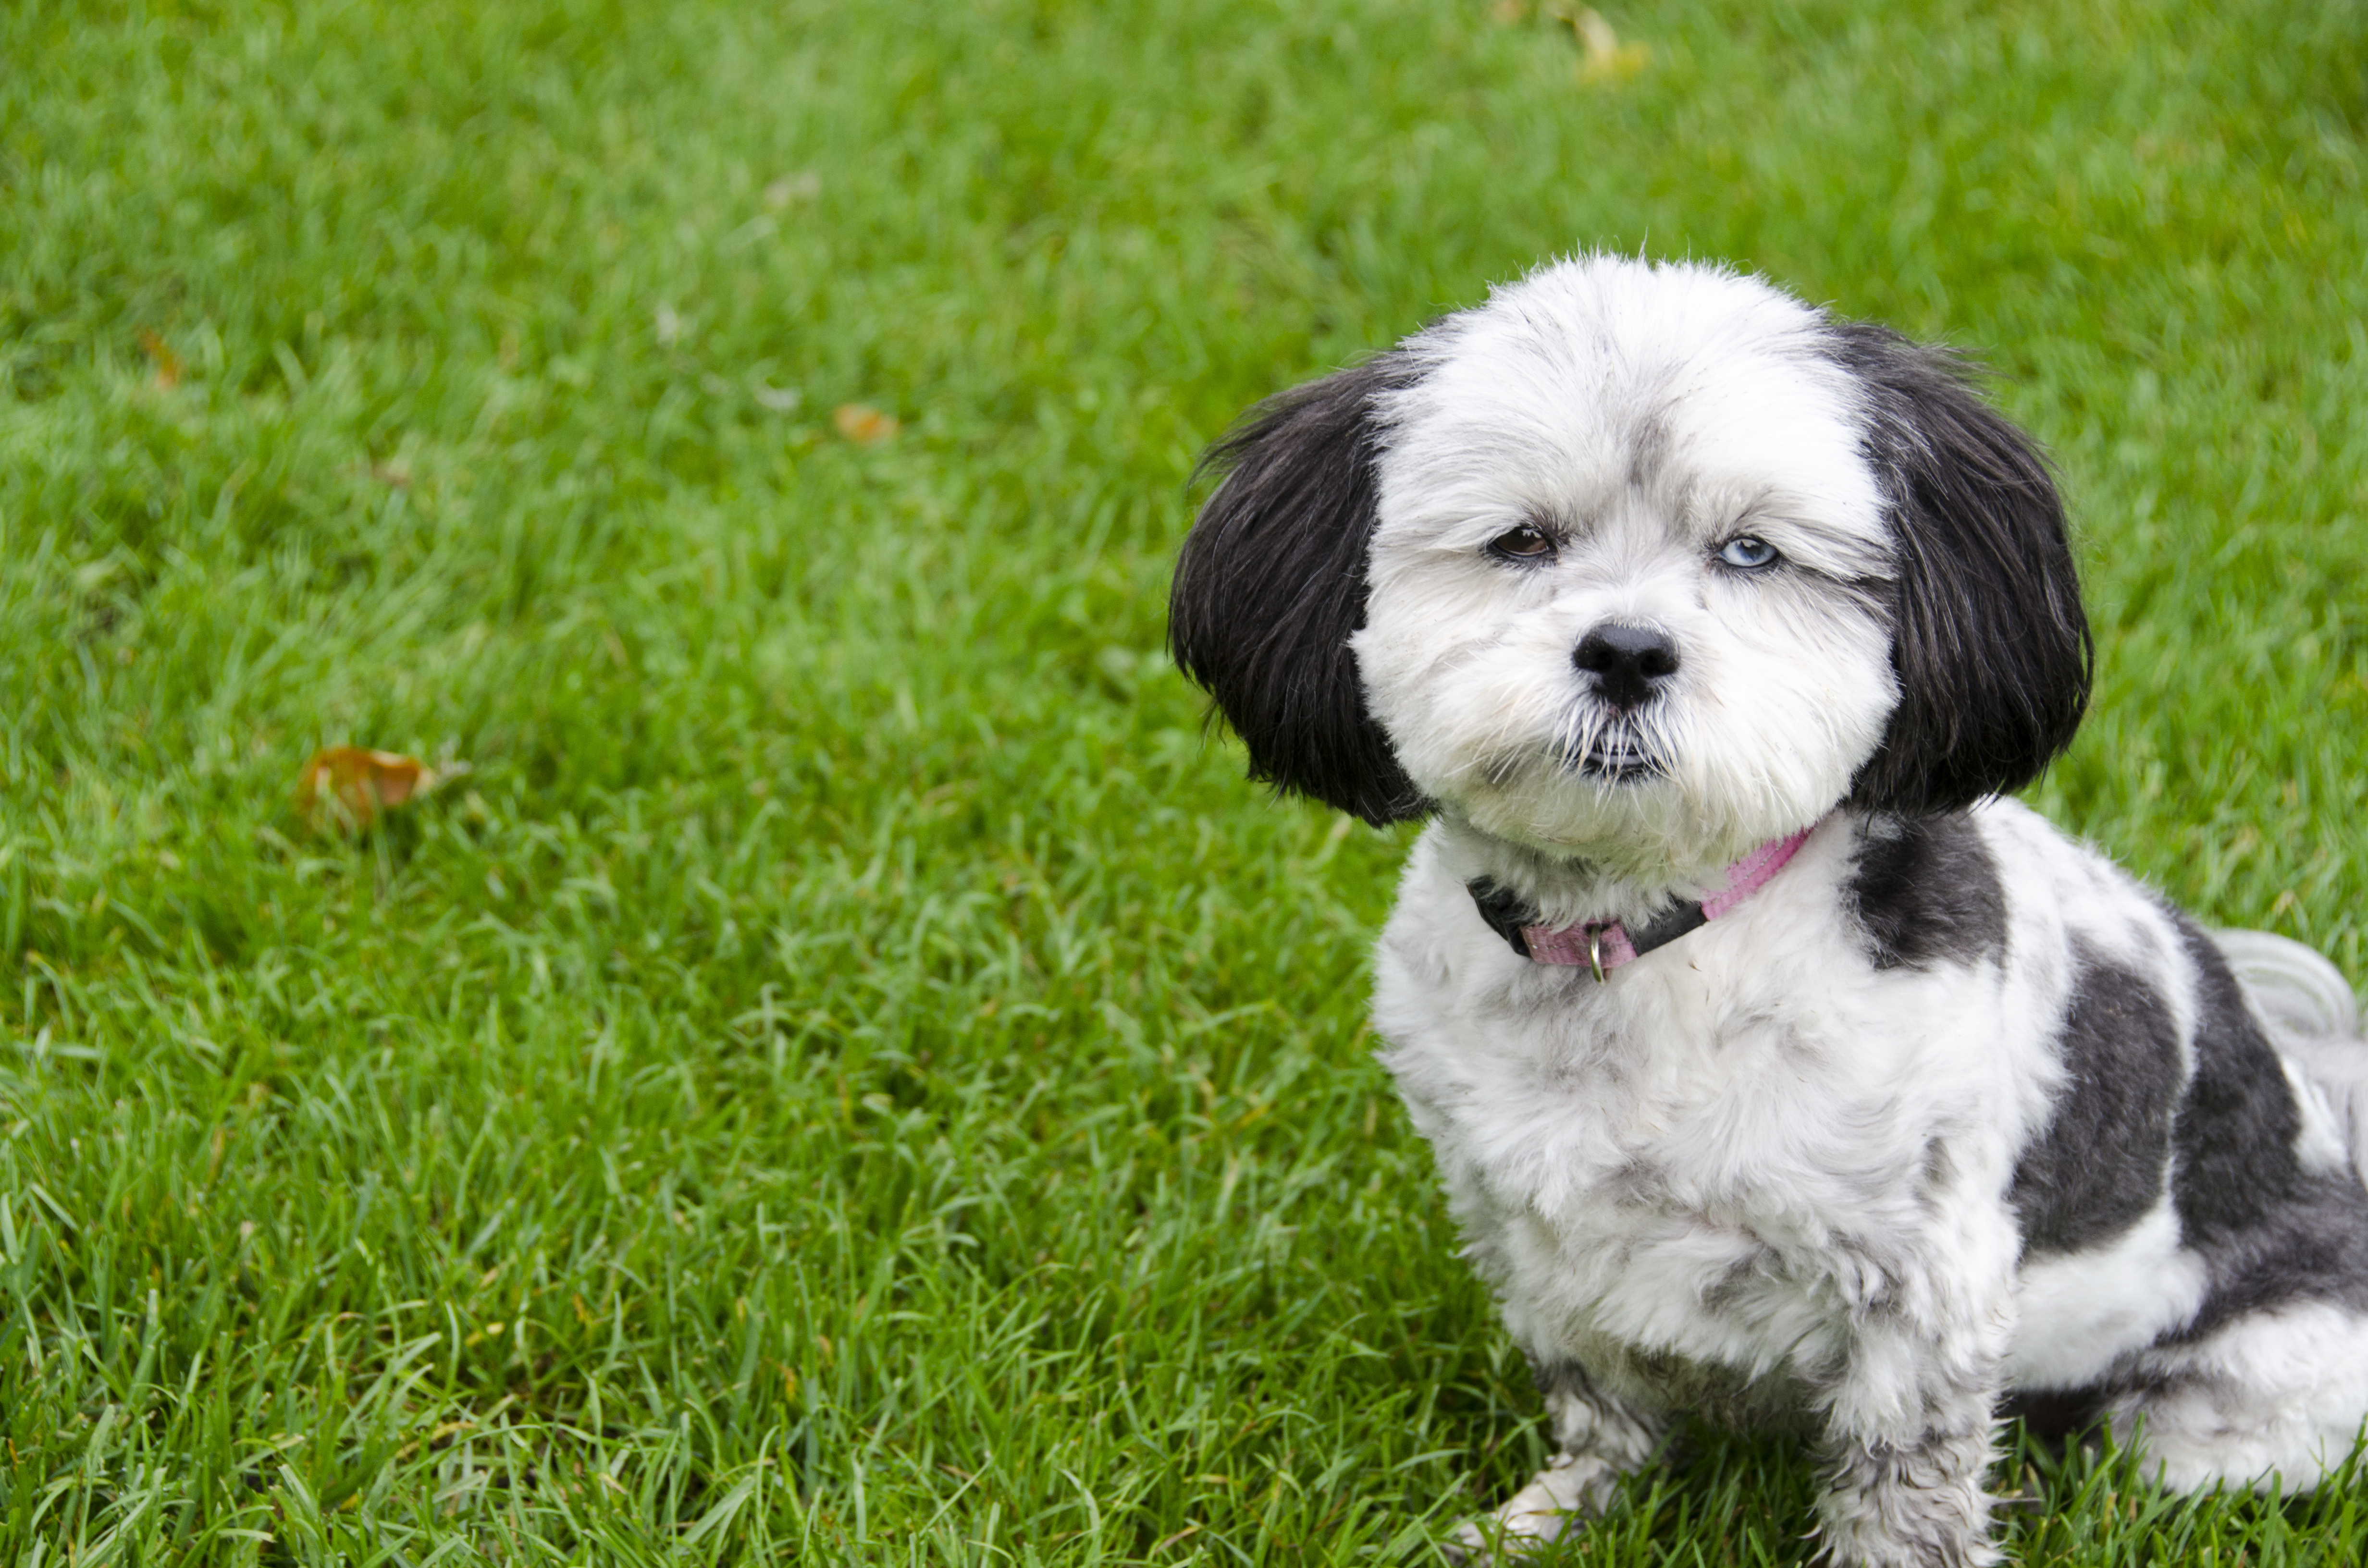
2268, 1230
1925, 891
2098, 1168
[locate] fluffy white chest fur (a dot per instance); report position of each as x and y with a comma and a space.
1705, 1157
1717, 1167
1615, 578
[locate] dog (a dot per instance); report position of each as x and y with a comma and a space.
1779, 1067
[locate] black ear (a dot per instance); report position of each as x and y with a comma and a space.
1990, 644
1271, 583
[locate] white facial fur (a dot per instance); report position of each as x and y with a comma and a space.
1643, 415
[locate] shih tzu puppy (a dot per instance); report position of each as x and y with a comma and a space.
1779, 1068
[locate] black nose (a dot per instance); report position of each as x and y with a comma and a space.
1627, 662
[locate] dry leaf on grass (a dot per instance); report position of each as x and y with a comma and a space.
863, 423
160, 354
344, 789
1608, 60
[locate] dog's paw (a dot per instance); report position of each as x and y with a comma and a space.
1487, 1542
1911, 1520
1569, 1490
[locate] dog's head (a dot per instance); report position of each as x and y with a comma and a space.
1637, 561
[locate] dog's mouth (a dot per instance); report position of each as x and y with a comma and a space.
1615, 759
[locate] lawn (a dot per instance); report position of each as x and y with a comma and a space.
843, 1069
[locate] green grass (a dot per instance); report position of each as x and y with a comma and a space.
852, 1075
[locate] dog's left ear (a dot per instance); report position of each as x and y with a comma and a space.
1989, 641
1271, 584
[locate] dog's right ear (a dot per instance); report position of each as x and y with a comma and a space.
1271, 585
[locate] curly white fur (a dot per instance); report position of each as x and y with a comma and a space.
1952, 1110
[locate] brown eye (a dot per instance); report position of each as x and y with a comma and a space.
1524, 543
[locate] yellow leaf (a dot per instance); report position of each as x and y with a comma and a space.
346, 788
861, 422
160, 354
1607, 59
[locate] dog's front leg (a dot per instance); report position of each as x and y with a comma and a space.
1909, 1433
1598, 1438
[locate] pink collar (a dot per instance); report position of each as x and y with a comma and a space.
1604, 945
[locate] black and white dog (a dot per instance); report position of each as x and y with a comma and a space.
1777, 1068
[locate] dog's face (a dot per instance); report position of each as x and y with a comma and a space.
1618, 589
1641, 564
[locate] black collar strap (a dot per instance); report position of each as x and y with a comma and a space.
1507, 915
1604, 945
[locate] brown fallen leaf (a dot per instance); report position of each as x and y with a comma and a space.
1607, 59
863, 423
160, 354
344, 789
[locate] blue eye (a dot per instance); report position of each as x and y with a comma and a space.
1748, 552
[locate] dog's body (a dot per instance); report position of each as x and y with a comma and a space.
1618, 577
1952, 1109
